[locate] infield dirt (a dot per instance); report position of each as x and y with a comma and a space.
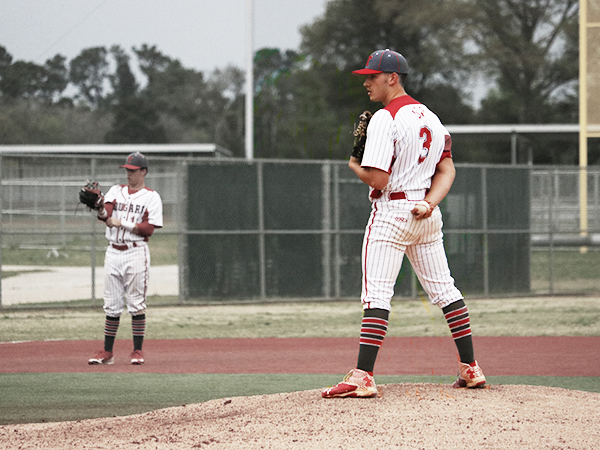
574, 356
405, 416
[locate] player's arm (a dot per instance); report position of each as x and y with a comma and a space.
144, 228
106, 211
376, 178
441, 182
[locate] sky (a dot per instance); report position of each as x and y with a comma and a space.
202, 34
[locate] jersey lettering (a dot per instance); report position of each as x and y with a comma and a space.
425, 136
137, 209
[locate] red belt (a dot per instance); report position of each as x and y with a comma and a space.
397, 196
401, 195
123, 247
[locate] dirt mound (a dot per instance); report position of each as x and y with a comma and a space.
407, 415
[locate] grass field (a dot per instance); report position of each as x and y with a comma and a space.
38, 397
542, 316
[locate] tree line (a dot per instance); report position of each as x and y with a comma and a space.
306, 100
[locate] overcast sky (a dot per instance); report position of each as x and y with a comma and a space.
203, 34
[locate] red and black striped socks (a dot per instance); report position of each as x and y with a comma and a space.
138, 327
457, 316
111, 325
372, 332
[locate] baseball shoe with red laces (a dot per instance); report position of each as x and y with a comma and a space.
102, 357
469, 376
357, 383
137, 357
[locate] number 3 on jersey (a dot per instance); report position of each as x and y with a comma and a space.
425, 138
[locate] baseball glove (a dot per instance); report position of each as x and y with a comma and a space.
360, 135
91, 196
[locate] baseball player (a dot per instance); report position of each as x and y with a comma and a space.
407, 164
131, 212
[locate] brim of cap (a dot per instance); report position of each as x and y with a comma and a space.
130, 166
366, 71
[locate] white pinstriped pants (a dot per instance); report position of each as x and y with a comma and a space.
393, 232
126, 276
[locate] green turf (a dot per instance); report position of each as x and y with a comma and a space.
57, 397
33, 397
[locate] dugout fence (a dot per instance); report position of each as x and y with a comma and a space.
273, 230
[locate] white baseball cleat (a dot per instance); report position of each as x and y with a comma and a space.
137, 357
102, 357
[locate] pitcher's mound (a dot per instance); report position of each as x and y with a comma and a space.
406, 416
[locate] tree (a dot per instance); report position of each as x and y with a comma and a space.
122, 81
223, 103
22, 79
198, 109
174, 89
341, 40
56, 79
530, 49
274, 98
179, 93
135, 120
5, 59
89, 73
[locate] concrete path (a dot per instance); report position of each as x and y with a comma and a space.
37, 284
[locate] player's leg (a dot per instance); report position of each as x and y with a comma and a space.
382, 255
111, 326
372, 332
457, 317
469, 373
136, 286
428, 259
381, 262
431, 266
113, 307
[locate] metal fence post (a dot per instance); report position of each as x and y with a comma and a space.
486, 256
336, 229
1, 219
514, 142
261, 231
551, 228
93, 240
326, 226
181, 186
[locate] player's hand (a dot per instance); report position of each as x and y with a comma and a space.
112, 222
422, 210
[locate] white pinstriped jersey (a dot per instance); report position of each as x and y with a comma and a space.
133, 208
406, 140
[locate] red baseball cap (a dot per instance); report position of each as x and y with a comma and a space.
136, 161
384, 61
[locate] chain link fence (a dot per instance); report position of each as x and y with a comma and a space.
271, 230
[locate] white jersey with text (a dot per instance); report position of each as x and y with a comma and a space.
135, 207
406, 140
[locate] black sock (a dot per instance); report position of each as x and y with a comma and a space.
373, 330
